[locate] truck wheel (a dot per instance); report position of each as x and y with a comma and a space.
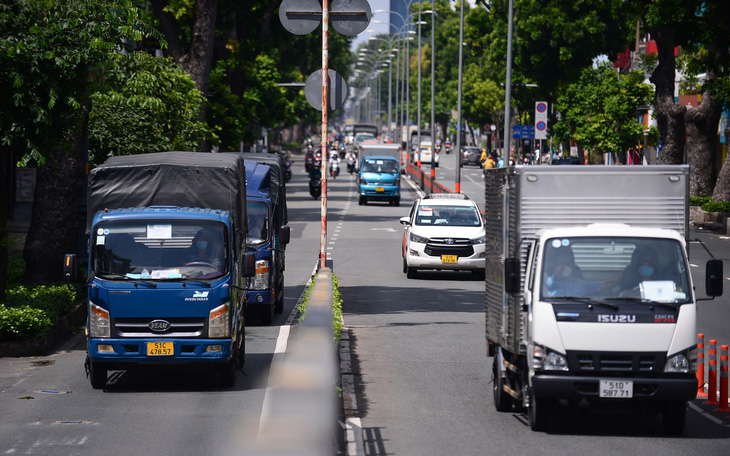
538, 413
411, 272
266, 314
360, 201
502, 401
228, 373
396, 202
279, 302
97, 375
674, 417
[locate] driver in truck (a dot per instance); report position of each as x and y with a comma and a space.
204, 249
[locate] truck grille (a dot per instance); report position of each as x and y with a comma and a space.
139, 327
442, 246
616, 363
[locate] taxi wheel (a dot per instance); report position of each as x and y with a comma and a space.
411, 273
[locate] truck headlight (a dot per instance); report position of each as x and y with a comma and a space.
678, 364
544, 359
397, 181
218, 321
417, 238
261, 279
98, 321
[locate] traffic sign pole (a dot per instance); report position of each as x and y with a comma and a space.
325, 150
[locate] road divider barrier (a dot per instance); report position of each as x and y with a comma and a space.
712, 375
723, 381
701, 365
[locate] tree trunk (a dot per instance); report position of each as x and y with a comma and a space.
54, 222
701, 124
722, 186
669, 115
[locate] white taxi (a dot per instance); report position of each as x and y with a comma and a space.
443, 231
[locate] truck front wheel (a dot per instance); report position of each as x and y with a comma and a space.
674, 417
228, 373
97, 375
538, 413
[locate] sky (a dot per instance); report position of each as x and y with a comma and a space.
380, 17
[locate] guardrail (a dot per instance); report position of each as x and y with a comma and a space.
424, 181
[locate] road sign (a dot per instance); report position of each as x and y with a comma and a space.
337, 90
540, 129
523, 132
349, 17
541, 109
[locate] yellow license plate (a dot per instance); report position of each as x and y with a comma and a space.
379, 189
448, 259
160, 349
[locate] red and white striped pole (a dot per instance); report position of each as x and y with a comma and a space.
701, 365
723, 380
325, 111
712, 381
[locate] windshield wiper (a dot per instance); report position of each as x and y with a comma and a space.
643, 301
116, 276
584, 300
203, 282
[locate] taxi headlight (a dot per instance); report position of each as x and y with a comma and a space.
479, 240
417, 238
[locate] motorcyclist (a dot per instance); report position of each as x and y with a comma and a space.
334, 160
351, 160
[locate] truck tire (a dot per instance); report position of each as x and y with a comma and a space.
97, 375
674, 417
266, 314
360, 200
502, 401
228, 372
279, 301
396, 202
538, 413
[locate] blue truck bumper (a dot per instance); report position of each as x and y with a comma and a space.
135, 351
380, 191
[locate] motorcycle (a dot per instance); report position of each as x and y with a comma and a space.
287, 167
334, 169
350, 165
308, 162
315, 187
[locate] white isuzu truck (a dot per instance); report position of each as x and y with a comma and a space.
589, 296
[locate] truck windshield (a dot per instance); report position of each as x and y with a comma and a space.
379, 166
159, 249
258, 223
615, 269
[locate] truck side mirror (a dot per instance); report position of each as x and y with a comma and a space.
714, 278
512, 269
70, 268
285, 235
248, 264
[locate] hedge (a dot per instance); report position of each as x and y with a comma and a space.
19, 323
336, 307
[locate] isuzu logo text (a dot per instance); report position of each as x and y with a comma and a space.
617, 318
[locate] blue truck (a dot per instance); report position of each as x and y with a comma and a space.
380, 169
268, 232
168, 269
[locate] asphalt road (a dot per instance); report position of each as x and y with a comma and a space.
419, 354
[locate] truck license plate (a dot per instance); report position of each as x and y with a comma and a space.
379, 189
449, 259
160, 349
619, 389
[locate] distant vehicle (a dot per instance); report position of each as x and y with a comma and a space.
471, 156
365, 128
426, 149
379, 174
443, 231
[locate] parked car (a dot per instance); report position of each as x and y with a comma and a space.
443, 231
471, 156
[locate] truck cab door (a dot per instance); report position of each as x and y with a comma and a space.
530, 275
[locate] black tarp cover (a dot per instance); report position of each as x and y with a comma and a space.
183, 179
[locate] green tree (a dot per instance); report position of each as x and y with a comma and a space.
599, 111
144, 104
47, 49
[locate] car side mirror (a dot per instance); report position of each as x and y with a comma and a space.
405, 221
714, 278
512, 268
285, 235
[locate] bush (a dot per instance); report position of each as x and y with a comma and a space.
23, 323
28, 313
16, 270
719, 206
336, 307
699, 200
